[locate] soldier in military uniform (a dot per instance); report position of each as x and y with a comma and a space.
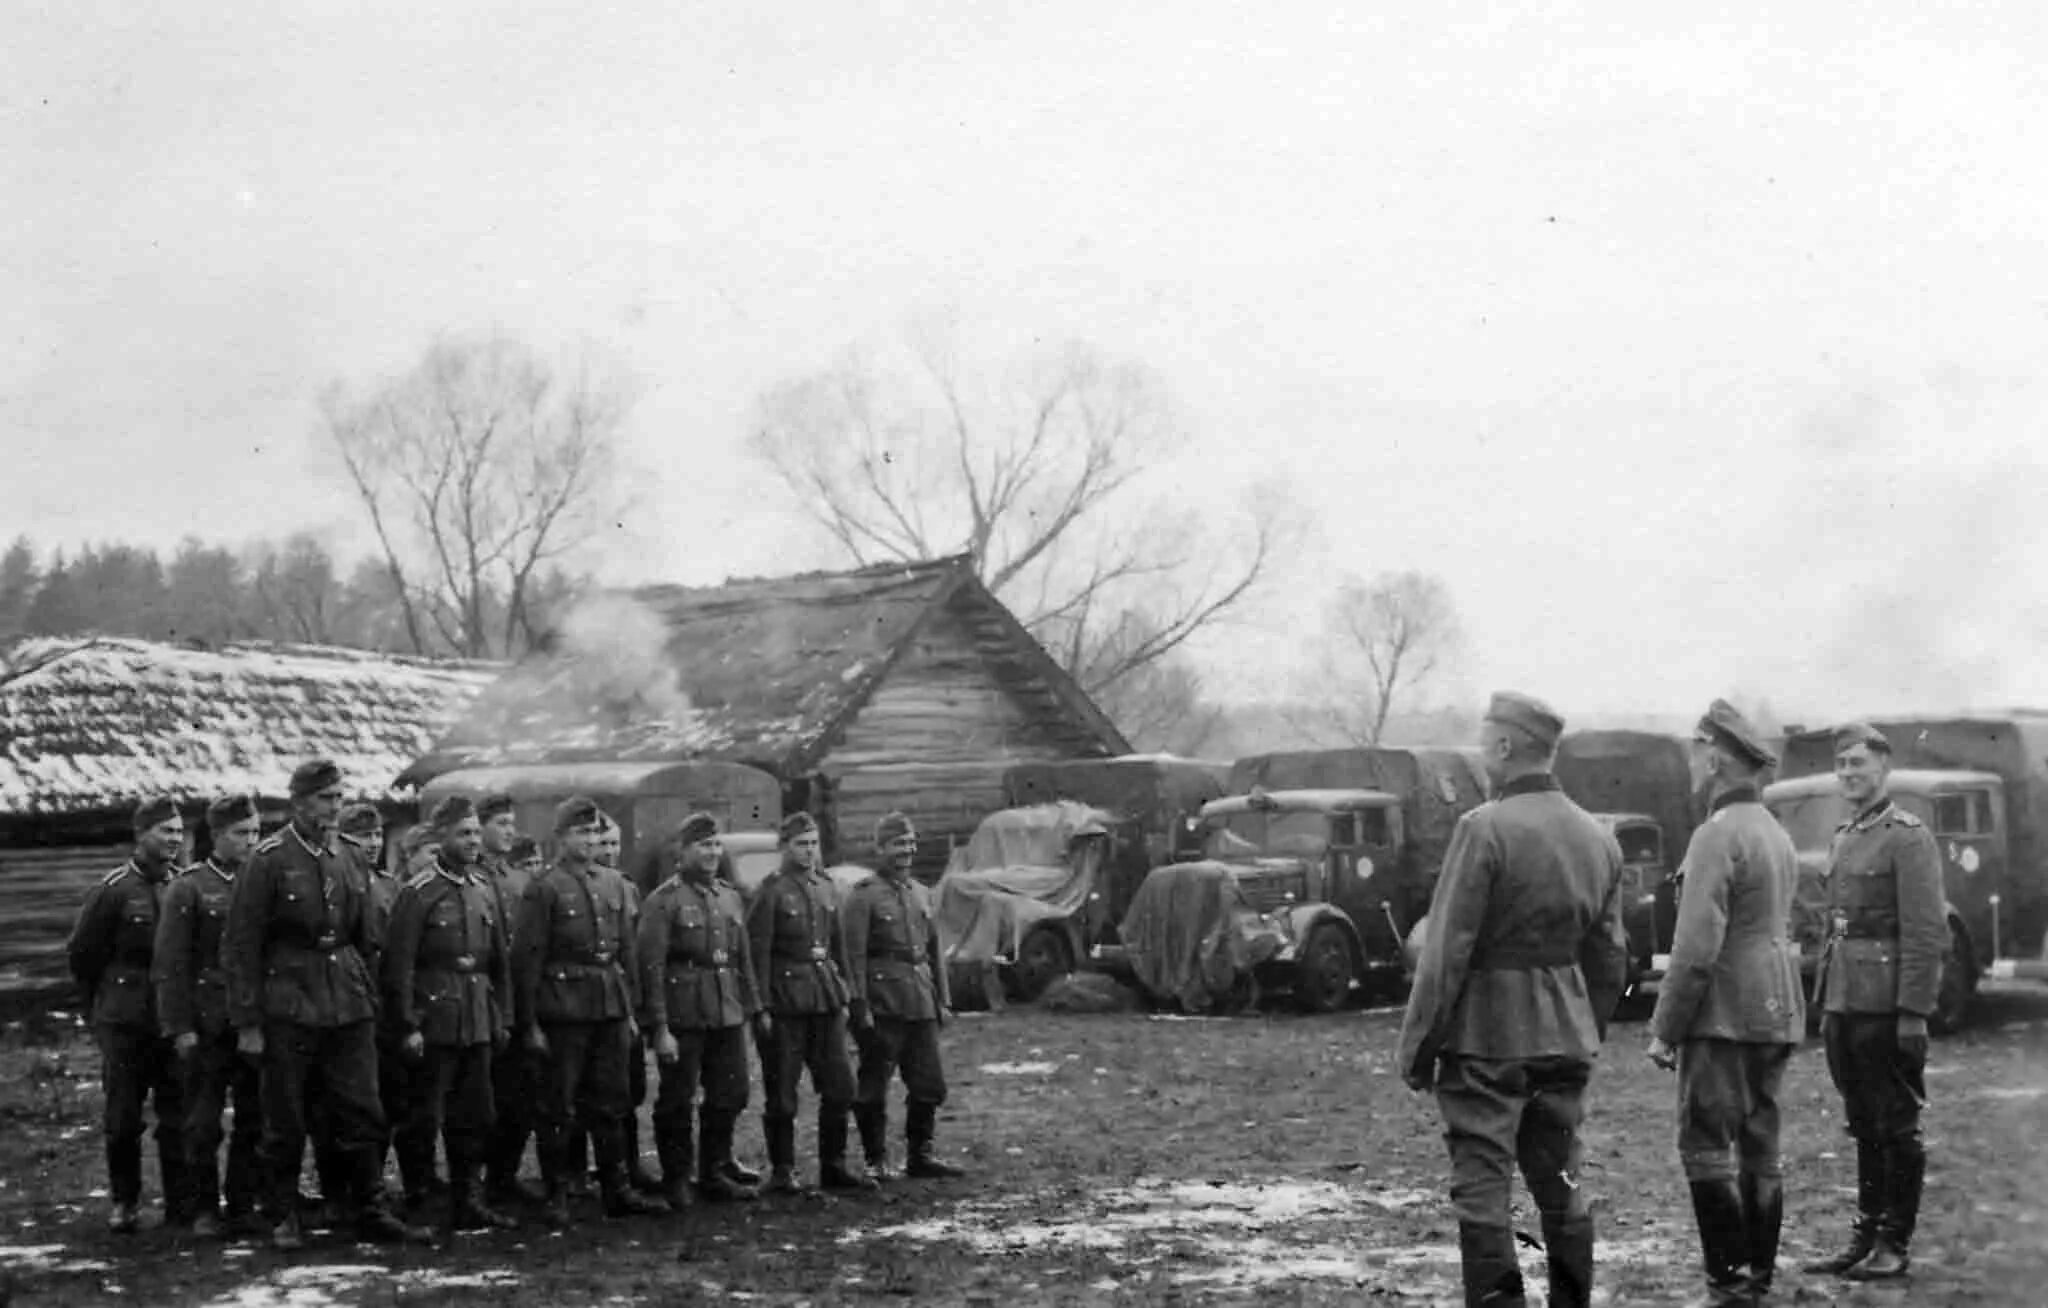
574, 976
1878, 980
698, 990
1730, 1010
359, 833
610, 841
799, 954
510, 862
302, 999
447, 978
1524, 961
897, 976
192, 1006
111, 949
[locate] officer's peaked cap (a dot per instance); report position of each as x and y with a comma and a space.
1726, 726
1532, 715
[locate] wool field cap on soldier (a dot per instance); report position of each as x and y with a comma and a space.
492, 805
152, 813
893, 826
451, 811
798, 824
359, 820
577, 811
310, 778
1527, 712
225, 812
1861, 733
696, 827
418, 838
1726, 726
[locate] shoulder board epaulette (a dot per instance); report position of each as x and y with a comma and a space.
111, 877
423, 880
269, 843
1904, 819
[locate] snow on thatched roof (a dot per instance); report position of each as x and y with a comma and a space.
91, 723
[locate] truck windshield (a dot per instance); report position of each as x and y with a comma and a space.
1299, 834
1811, 819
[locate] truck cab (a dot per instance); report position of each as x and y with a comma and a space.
1649, 896
1325, 866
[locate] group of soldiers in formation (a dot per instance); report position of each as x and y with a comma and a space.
482, 1000
1527, 956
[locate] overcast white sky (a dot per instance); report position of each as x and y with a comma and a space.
1698, 353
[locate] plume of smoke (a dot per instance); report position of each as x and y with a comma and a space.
614, 654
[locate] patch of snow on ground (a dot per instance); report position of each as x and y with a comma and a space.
47, 1258
426, 1279
1020, 1069
301, 1287
2006, 1092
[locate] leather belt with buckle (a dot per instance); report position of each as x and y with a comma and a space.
465, 963
327, 940
718, 956
820, 951
602, 955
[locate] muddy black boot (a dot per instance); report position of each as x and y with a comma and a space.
1724, 1242
467, 1210
1569, 1243
919, 1126
833, 1173
124, 1186
1493, 1277
872, 1121
616, 1187
547, 1143
180, 1203
781, 1136
1870, 1194
673, 1145
375, 1223
714, 1144
1763, 1219
1905, 1173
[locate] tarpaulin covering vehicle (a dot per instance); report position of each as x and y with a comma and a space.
1192, 937
1026, 892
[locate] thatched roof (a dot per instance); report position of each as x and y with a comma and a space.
93, 723
762, 671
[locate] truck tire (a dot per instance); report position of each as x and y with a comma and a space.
1043, 957
1323, 973
1958, 985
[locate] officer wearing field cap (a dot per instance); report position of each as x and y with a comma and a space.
574, 968
1730, 1010
1524, 960
698, 989
799, 949
112, 947
192, 1005
1878, 979
506, 867
897, 975
302, 999
448, 997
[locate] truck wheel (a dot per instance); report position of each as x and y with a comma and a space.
1958, 982
1322, 976
1043, 958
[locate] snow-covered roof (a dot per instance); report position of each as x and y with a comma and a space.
98, 722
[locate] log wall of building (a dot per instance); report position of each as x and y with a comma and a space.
40, 892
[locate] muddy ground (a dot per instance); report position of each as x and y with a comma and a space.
1118, 1158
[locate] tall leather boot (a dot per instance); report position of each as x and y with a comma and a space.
1493, 1277
1870, 1193
1905, 1175
833, 1173
872, 1120
1569, 1243
374, 1220
608, 1142
548, 1144
576, 1162
921, 1122
781, 1136
467, 1210
202, 1192
673, 1145
180, 1206
714, 1146
124, 1186
1724, 1242
1763, 1218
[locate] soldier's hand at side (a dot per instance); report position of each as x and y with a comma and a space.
249, 1041
857, 1013
1663, 1055
414, 1046
500, 1038
186, 1043
666, 1049
537, 1041
1912, 1036
764, 1025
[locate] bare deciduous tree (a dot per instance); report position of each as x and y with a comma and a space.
1383, 641
479, 468
1034, 475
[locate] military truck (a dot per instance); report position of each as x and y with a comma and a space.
1154, 801
1980, 783
1340, 849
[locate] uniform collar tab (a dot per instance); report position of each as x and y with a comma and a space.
1530, 783
1743, 794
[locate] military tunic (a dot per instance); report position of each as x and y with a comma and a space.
698, 984
1525, 958
898, 978
799, 952
448, 978
296, 951
192, 998
574, 974
1731, 1002
512, 1082
111, 951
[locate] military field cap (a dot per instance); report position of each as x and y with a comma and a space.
359, 820
1861, 733
1725, 724
451, 812
224, 812
524, 848
696, 827
798, 824
312, 777
418, 838
893, 826
577, 811
491, 805
154, 812
1527, 712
